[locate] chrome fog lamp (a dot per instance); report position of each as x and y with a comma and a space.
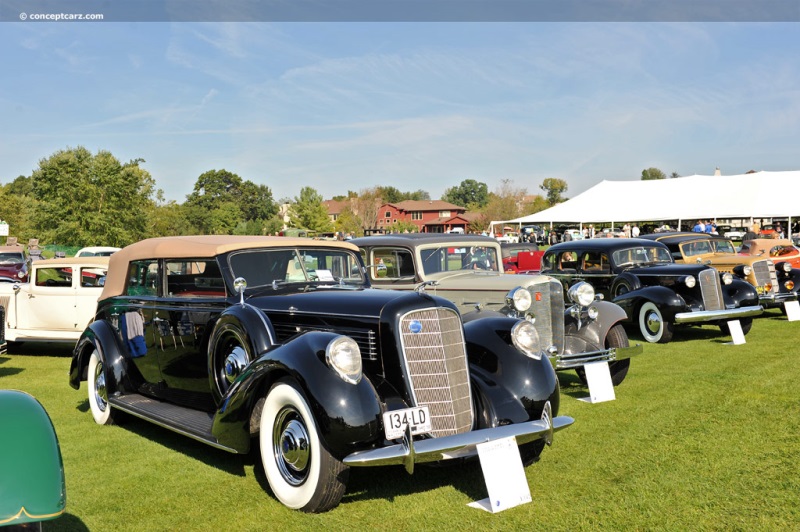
789, 285
581, 294
344, 356
727, 278
519, 299
526, 339
593, 313
787, 267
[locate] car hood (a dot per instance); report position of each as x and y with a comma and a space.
668, 269
478, 280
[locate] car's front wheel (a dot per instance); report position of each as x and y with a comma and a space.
302, 474
98, 393
654, 328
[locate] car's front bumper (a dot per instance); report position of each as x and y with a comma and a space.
775, 300
578, 360
411, 451
719, 315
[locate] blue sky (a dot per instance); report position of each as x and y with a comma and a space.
347, 106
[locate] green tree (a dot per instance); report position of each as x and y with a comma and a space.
554, 188
349, 222
470, 194
309, 212
393, 195
652, 173
91, 199
505, 202
18, 211
673, 175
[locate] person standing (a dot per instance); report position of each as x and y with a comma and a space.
635, 231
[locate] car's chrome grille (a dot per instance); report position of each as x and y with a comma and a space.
764, 271
711, 289
436, 364
547, 306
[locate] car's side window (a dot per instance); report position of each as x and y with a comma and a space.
54, 277
194, 277
391, 263
595, 262
143, 278
91, 277
568, 261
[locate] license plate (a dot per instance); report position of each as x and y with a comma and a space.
395, 422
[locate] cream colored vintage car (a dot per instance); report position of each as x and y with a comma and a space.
58, 301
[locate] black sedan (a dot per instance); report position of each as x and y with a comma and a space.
657, 294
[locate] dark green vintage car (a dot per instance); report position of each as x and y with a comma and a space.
32, 485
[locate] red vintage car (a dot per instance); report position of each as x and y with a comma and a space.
777, 249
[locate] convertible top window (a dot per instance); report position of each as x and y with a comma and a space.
265, 267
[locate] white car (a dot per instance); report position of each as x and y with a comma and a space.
58, 301
96, 251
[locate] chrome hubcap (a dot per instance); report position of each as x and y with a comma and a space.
292, 447
234, 364
100, 393
653, 322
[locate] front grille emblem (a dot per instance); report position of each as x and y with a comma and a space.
415, 326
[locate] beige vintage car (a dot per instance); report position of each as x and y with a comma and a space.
58, 301
775, 281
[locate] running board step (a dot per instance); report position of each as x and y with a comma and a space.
187, 421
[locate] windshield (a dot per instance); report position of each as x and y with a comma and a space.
447, 259
11, 258
702, 247
641, 255
275, 267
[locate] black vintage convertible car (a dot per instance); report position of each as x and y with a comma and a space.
657, 294
224, 339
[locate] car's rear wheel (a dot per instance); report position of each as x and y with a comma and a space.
98, 393
653, 326
302, 474
616, 337
746, 323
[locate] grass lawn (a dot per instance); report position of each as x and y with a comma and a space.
702, 436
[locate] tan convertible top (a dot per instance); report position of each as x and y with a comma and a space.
197, 247
759, 246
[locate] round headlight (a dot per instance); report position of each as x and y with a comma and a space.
20, 274
689, 281
727, 278
747, 270
519, 298
787, 267
526, 339
343, 355
581, 294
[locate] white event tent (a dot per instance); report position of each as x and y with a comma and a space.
756, 195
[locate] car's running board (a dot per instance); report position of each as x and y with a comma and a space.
187, 421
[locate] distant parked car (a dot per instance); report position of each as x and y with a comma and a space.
733, 233
280, 342
532, 233
57, 303
468, 271
656, 294
774, 279
32, 487
508, 238
96, 251
521, 258
777, 249
13, 264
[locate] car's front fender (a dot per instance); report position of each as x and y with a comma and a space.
347, 415
583, 334
99, 336
667, 301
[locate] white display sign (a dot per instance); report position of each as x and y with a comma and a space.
504, 475
598, 377
792, 310
3, 229
735, 327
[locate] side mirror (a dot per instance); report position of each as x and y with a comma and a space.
240, 284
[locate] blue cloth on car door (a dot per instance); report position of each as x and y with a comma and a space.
132, 326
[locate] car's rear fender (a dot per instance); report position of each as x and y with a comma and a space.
347, 415
99, 336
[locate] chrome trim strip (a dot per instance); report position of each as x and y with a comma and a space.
611, 354
455, 446
714, 315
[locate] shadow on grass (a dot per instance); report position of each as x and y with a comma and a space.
44, 349
66, 522
230, 463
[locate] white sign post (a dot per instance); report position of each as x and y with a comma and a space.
735, 327
792, 310
598, 377
504, 475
